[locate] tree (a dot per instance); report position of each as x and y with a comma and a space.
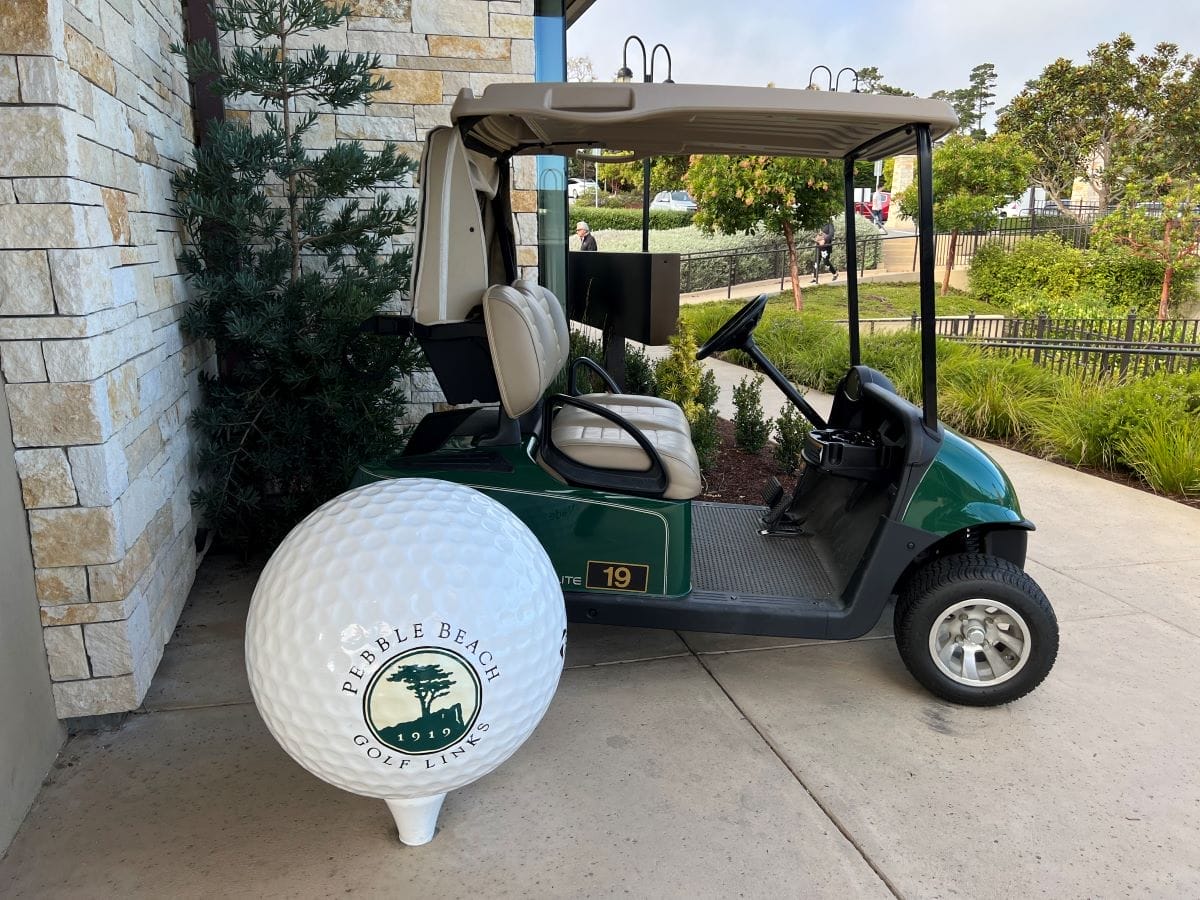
983, 91
580, 68
428, 683
870, 81
666, 174
291, 251
1171, 239
971, 177
783, 194
1115, 121
963, 102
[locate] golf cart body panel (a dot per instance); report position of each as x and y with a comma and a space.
963, 488
589, 535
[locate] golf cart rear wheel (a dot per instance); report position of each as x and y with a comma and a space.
975, 629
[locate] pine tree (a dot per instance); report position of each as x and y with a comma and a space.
983, 90
291, 251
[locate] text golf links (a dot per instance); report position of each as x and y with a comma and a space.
404, 638
388, 757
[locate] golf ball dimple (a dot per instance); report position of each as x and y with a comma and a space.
405, 638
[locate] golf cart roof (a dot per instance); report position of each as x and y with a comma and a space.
682, 119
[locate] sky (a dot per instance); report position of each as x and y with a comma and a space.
918, 45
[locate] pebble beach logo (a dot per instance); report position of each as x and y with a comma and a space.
422, 701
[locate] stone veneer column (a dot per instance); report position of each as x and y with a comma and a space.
95, 115
430, 50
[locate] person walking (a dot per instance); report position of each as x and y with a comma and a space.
823, 255
587, 240
877, 208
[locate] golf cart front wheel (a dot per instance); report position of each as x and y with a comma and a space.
975, 629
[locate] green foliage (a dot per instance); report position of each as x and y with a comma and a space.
1135, 114
996, 396
750, 426
291, 250
639, 371
1165, 452
1083, 306
870, 81
1167, 242
627, 219
1044, 275
705, 437
785, 195
791, 429
1077, 430
971, 177
666, 174
682, 379
1041, 265
678, 373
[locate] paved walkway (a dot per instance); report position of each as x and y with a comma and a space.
700, 765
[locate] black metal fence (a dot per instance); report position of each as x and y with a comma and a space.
1010, 233
1128, 346
726, 268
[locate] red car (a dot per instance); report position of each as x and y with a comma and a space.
863, 207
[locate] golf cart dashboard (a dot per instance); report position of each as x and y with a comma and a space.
872, 430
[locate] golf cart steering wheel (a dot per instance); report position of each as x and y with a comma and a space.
736, 329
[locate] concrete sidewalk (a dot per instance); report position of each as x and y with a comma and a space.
696, 765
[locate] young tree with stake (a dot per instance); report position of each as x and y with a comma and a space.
291, 251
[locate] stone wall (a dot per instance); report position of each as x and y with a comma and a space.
95, 115
100, 378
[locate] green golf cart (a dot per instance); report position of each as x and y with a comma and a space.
890, 504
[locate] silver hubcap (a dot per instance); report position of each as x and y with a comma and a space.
980, 642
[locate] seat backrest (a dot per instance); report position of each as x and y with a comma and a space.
450, 263
527, 348
554, 309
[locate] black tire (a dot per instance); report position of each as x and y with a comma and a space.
950, 580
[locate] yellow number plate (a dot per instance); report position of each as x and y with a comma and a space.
612, 576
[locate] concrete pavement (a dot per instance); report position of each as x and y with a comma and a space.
685, 765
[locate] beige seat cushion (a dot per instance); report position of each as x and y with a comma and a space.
608, 447
642, 412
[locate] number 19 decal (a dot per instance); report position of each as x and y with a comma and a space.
613, 576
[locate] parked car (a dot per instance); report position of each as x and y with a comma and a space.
1015, 209
680, 201
863, 207
578, 186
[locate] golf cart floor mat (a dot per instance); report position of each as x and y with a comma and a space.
730, 556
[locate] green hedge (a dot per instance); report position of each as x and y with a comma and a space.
601, 218
1042, 274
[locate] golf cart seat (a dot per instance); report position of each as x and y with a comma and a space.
643, 411
458, 255
593, 445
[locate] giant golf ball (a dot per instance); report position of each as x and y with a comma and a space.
404, 640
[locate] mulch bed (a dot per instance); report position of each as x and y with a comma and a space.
739, 477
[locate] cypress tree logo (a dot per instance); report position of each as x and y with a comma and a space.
423, 700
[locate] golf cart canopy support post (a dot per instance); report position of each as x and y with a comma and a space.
925, 245
851, 259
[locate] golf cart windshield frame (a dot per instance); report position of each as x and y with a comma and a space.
642, 120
